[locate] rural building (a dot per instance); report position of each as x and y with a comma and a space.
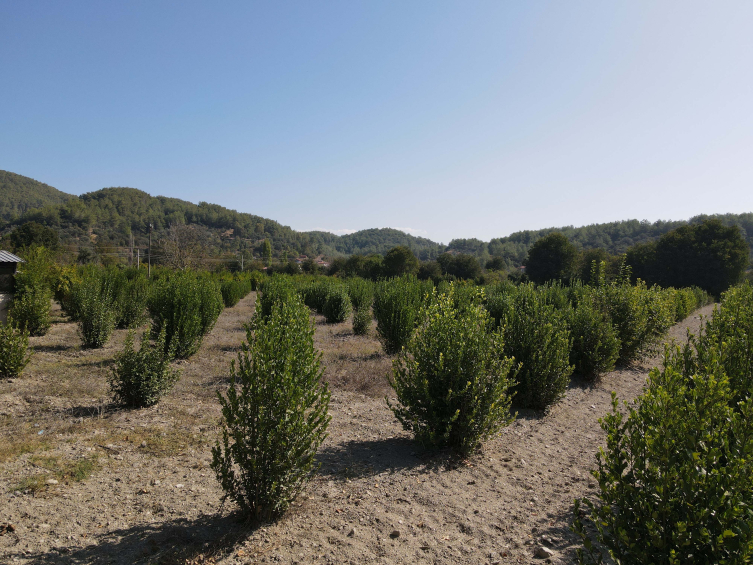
8, 266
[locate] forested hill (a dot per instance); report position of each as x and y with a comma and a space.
111, 216
19, 194
378, 240
615, 237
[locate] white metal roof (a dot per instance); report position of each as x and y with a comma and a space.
6, 257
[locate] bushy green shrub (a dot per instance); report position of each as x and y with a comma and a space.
556, 294
315, 293
97, 313
676, 480
396, 306
187, 306
702, 298
14, 351
337, 306
65, 281
131, 299
276, 289
362, 320
30, 308
361, 293
256, 279
640, 315
536, 336
274, 415
728, 341
465, 294
232, 292
450, 380
595, 345
684, 302
140, 378
497, 300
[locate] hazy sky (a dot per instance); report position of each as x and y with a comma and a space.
449, 119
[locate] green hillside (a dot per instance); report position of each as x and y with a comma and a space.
19, 194
113, 217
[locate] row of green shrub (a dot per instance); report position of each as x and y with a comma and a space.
235, 290
552, 331
549, 330
185, 303
676, 478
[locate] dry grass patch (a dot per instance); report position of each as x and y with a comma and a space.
58, 469
15, 447
355, 363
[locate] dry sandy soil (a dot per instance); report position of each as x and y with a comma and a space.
83, 481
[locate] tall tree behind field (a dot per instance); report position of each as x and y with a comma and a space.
551, 258
708, 255
400, 261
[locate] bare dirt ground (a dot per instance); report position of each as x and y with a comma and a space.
82, 481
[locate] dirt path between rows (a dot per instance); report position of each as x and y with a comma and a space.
378, 498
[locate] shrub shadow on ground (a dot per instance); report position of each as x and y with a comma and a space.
175, 542
364, 458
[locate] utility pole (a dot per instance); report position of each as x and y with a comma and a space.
149, 268
241, 261
138, 258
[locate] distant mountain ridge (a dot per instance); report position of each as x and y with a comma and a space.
118, 217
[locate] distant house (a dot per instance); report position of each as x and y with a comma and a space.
8, 267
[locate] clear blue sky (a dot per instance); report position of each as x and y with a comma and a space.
451, 119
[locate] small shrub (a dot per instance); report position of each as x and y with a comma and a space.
337, 306
274, 415
396, 306
140, 378
595, 346
536, 336
450, 380
14, 351
96, 310
187, 306
362, 320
